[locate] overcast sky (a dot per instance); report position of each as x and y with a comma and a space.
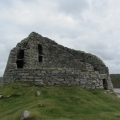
92, 26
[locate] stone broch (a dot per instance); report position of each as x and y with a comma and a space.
44, 62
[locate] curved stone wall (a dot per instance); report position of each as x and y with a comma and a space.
37, 53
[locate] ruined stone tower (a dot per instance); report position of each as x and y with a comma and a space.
43, 62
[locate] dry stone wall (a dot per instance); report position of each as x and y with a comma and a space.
43, 61
63, 77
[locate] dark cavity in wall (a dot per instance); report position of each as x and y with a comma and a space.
20, 63
40, 58
20, 54
95, 68
105, 85
40, 53
20, 59
39, 49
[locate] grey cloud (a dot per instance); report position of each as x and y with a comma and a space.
113, 68
1, 72
6, 3
104, 55
97, 48
102, 50
3, 58
99, 6
73, 7
90, 34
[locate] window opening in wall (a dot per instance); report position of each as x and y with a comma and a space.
20, 63
40, 58
20, 54
95, 68
105, 84
20, 59
39, 49
40, 53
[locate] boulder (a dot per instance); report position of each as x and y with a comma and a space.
1, 96
25, 115
38, 93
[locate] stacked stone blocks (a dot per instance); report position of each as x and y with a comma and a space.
44, 62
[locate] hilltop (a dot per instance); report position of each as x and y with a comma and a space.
57, 103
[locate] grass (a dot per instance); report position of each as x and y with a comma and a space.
58, 103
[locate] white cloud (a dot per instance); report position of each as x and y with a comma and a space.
89, 25
72, 7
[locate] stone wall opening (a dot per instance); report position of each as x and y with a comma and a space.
20, 63
39, 49
20, 54
105, 85
40, 53
40, 58
95, 68
20, 59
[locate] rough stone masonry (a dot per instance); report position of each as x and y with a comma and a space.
44, 62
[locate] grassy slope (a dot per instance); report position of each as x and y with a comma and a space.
58, 103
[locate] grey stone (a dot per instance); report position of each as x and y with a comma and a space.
50, 83
60, 80
39, 83
38, 93
1, 96
30, 77
8, 96
56, 83
25, 115
55, 71
43, 72
23, 77
66, 82
77, 79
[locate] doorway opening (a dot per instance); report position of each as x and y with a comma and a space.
39, 49
105, 85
